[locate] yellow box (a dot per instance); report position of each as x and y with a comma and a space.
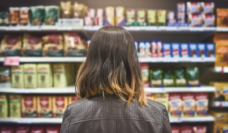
220, 116
17, 76
30, 76
3, 106
60, 76
162, 98
44, 108
59, 105
15, 106
44, 76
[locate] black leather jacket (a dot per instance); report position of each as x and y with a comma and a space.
110, 115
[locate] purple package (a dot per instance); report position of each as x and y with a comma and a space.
167, 50
176, 50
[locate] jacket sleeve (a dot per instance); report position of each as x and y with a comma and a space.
65, 122
166, 123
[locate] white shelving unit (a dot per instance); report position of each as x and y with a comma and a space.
220, 104
192, 119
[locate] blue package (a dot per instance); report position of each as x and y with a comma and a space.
201, 49
167, 50
147, 49
210, 50
176, 50
193, 50
137, 49
141, 47
184, 52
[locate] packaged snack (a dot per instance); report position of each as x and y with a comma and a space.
37, 129
141, 17
186, 129
29, 106
22, 129
60, 79
7, 129
176, 50
44, 76
201, 104
180, 77
130, 17
24, 16
222, 15
109, 11
162, 98
154, 49
202, 49
36, 15
44, 108
181, 7
65, 9
145, 72
73, 45
221, 54
199, 129
99, 19
5, 77
194, 7
219, 116
120, 21
193, 50
14, 16
142, 49
168, 78
195, 20
171, 19
208, 7
151, 17
220, 127
192, 76
166, 50
189, 105
210, 50
175, 105
150, 96
221, 93
11, 45
30, 75
59, 105
32, 45
53, 45
4, 18
181, 15
109, 21
15, 106
89, 21
156, 77
161, 17
159, 48
184, 50
51, 15
3, 106
120, 11
79, 10
52, 129
209, 20
72, 99
175, 129
17, 76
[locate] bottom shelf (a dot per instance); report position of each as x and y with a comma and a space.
59, 120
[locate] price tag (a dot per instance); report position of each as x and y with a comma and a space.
11, 61
64, 28
34, 28
12, 28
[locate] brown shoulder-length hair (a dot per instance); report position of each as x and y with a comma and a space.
111, 67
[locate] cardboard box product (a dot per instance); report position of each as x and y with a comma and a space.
201, 104
220, 127
159, 48
44, 76
156, 77
186, 129
221, 93
60, 75
130, 17
175, 105
17, 76
167, 50
222, 14
52, 129
44, 108
3, 106
7, 129
145, 72
220, 116
189, 105
161, 17
210, 50
209, 20
194, 7
29, 106
141, 17
37, 129
202, 50
208, 7
221, 54
162, 98
176, 50
30, 76
181, 7
15, 106
151, 17
195, 20
59, 105
184, 50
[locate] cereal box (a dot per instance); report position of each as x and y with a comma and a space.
59, 105
52, 129
162, 98
15, 106
17, 76
209, 20
175, 105
194, 7
184, 50
222, 14
193, 50
220, 127
188, 101
44, 108
176, 50
201, 104
44, 76
202, 50
3, 106
29, 106
22, 129
199, 129
37, 129
72, 99
221, 93
195, 20
181, 7
60, 78
167, 50
210, 50
208, 7
220, 116
30, 76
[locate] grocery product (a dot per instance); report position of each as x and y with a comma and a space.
175, 129
181, 7
199, 129
36, 15
193, 50
51, 15
32, 45
79, 10
60, 78
11, 45
141, 17
22, 129
154, 49
220, 127
131, 17
188, 100
208, 7
145, 49
195, 20
221, 91
194, 7
72, 99
7, 129
184, 50
159, 48
145, 72
44, 108
167, 50
209, 20
156, 77
65, 9
222, 14
29, 106
151, 17
220, 116
192, 76
171, 18
4, 18
24, 16
221, 54
175, 105
176, 50
210, 50
14, 16
202, 49
44, 76
168, 78
59, 105
180, 77
52, 129
186, 129
120, 19
30, 76
109, 12
3, 106
37, 129
161, 17
162, 98
53, 45
201, 104
73, 45
17, 76
15, 106
5, 77
99, 19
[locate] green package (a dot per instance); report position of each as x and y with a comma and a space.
36, 15
4, 18
156, 77
161, 17
15, 106
51, 15
192, 76
180, 78
168, 78
151, 17
141, 17
3, 106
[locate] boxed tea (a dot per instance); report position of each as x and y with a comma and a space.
15, 106
11, 45
202, 50
44, 108
3, 106
17, 76
59, 105
72, 99
44, 76
201, 104
184, 50
180, 77
176, 50
36, 15
59, 78
29, 106
32, 45
193, 50
222, 14
51, 15
210, 50
189, 105
30, 76
168, 78
167, 50
162, 98
156, 77
175, 105
192, 76
151, 17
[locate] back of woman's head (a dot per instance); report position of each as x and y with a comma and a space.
111, 67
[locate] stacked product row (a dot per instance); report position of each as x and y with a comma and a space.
70, 44
189, 129
30, 106
170, 77
221, 121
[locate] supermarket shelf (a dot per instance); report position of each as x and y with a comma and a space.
41, 28
81, 59
220, 104
219, 69
71, 90
59, 120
